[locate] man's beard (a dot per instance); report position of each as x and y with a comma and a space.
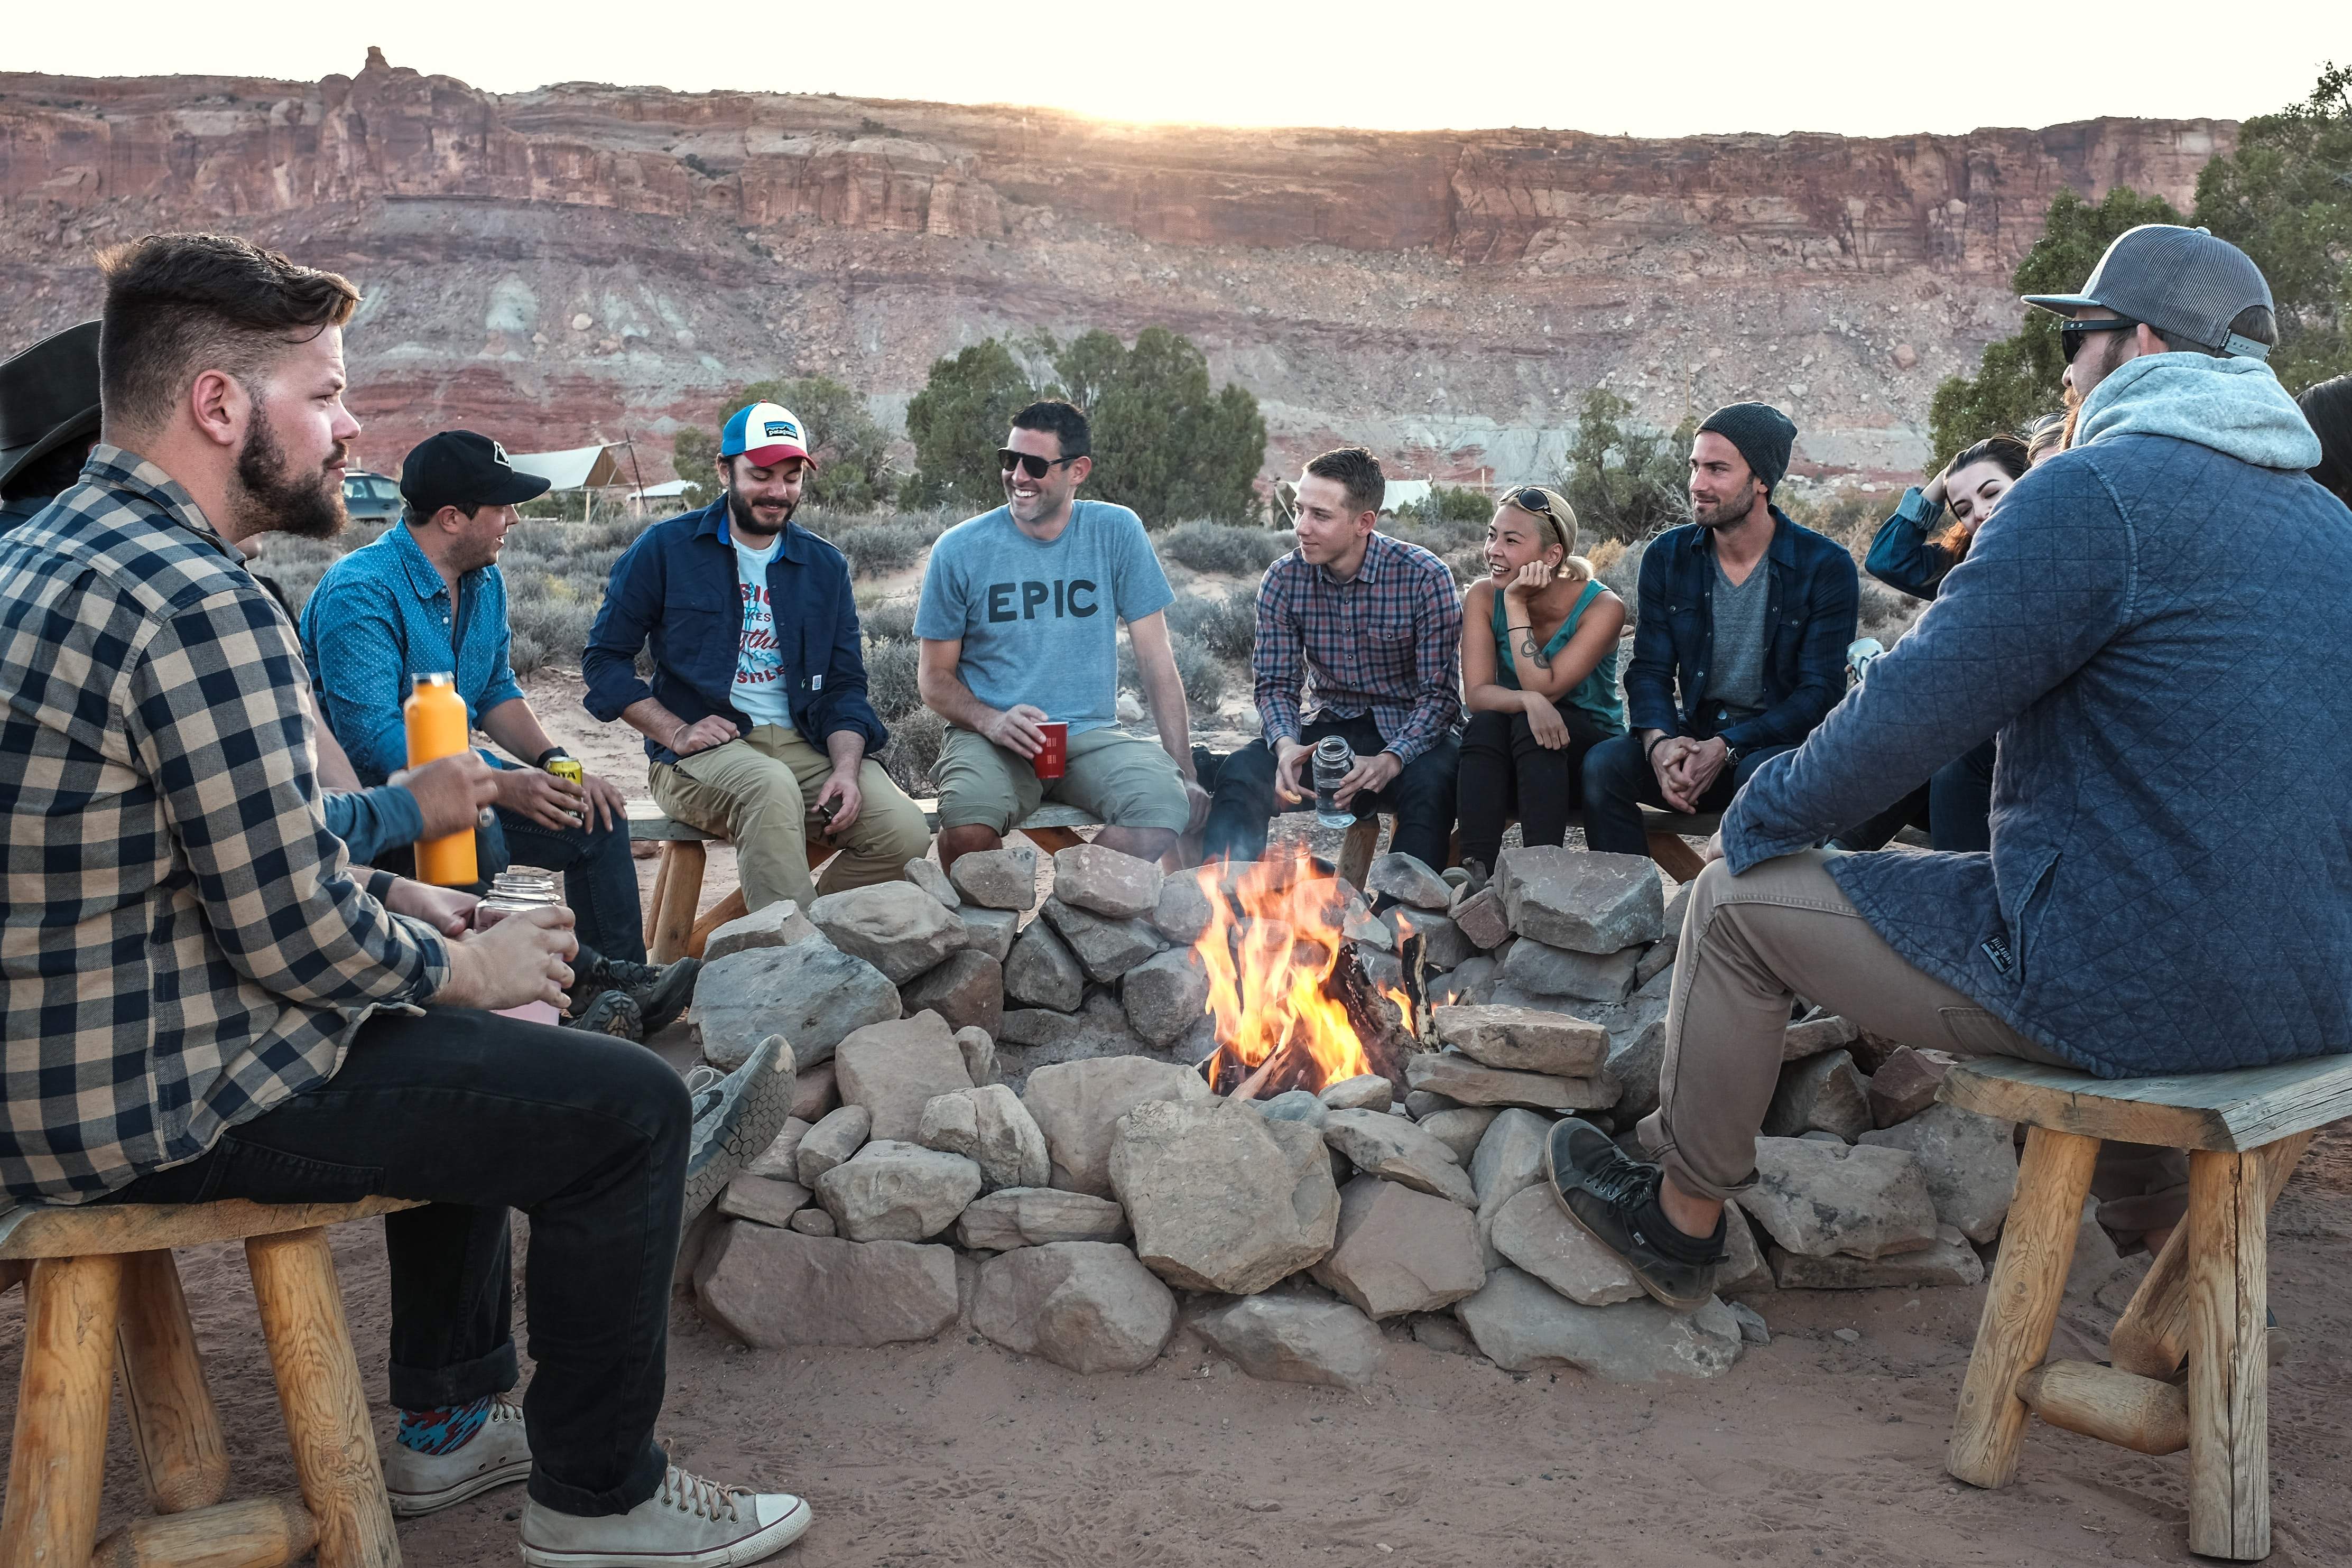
1722, 515
740, 511
274, 499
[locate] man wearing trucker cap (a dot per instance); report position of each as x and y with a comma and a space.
756, 719
2139, 623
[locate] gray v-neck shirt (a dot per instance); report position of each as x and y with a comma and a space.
1737, 683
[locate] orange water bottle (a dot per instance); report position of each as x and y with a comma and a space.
437, 729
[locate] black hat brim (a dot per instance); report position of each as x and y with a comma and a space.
15, 459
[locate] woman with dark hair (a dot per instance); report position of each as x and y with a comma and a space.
1539, 675
2329, 407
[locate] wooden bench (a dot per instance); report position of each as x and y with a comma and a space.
2203, 1300
103, 1293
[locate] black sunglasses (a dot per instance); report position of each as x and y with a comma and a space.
1533, 499
1029, 463
2072, 332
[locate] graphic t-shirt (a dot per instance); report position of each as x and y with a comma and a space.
1040, 622
759, 693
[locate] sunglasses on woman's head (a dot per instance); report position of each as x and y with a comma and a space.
1532, 499
2071, 333
1029, 463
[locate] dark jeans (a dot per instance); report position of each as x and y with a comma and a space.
1955, 806
1619, 781
1505, 772
1420, 797
476, 1114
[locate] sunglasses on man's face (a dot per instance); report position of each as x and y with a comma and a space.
1029, 463
2072, 333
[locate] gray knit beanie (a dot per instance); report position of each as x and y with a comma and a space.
1763, 435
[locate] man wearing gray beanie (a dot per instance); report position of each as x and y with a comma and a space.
1739, 649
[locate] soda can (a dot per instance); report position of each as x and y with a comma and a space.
570, 771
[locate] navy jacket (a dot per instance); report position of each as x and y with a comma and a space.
2151, 622
675, 588
1810, 611
1905, 555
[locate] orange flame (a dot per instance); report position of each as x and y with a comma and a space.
1267, 968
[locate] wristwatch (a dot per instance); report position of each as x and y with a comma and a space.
550, 754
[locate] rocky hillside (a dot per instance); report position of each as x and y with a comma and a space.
587, 261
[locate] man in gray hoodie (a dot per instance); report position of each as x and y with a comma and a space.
2148, 622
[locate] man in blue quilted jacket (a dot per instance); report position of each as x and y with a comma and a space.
2153, 625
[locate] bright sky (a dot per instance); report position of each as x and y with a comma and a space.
1858, 67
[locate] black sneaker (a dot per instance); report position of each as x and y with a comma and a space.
611, 1012
661, 992
1614, 1198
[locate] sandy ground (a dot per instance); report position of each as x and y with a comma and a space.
1811, 1452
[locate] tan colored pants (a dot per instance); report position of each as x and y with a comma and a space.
756, 792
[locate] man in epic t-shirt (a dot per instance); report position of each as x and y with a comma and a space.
1019, 626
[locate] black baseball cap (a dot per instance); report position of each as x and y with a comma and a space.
460, 468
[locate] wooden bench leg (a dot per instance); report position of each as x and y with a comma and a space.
1356, 851
57, 1464
2021, 1310
1051, 841
254, 1532
661, 893
174, 1425
1675, 857
319, 1390
2152, 1335
681, 895
731, 907
2229, 1357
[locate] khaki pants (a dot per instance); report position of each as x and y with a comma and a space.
756, 792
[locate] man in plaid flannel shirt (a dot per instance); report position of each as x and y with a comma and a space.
1376, 624
202, 1002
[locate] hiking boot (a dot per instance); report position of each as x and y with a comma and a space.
660, 990
689, 1523
495, 1456
611, 1012
1614, 1198
736, 1116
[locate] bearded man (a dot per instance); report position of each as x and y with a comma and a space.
1739, 648
756, 720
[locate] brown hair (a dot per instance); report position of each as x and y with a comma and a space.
179, 305
1358, 472
2008, 451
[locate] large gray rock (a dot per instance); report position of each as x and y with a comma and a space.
926, 874
1509, 1159
1394, 1148
781, 1160
1460, 1130
1523, 1325
1293, 1105
1221, 1198
1969, 1163
1077, 1105
1546, 971
1408, 882
1037, 1037
1636, 1059
1464, 1081
817, 1092
1814, 1036
1824, 1093
894, 1068
1043, 972
968, 990
989, 931
979, 1050
1522, 1040
1105, 949
1946, 1261
1086, 1306
1365, 1091
818, 1222
1824, 1199
1296, 1339
772, 1289
991, 1128
1469, 983
1399, 1251
1581, 900
832, 1141
762, 1200
812, 993
999, 879
894, 925
779, 925
1532, 1232
1165, 995
1481, 919
1183, 912
1443, 945
898, 1192
1036, 1216
1743, 1269
1906, 1084
1103, 880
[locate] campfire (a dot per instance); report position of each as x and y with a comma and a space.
1295, 1004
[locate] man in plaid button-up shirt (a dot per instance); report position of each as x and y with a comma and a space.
1375, 624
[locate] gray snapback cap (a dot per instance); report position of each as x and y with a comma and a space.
2178, 280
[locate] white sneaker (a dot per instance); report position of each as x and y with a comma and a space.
690, 1523
497, 1454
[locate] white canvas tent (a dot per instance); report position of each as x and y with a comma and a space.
585, 468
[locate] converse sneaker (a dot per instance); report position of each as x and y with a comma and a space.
690, 1522
736, 1116
611, 1012
660, 991
1614, 1198
497, 1454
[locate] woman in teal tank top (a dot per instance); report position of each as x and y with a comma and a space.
1539, 675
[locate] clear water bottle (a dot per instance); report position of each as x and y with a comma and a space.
1334, 760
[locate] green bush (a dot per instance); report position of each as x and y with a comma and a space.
914, 740
893, 619
891, 670
1225, 623
876, 550
1225, 547
1626, 481
1206, 679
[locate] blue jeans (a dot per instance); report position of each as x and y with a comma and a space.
1619, 781
600, 880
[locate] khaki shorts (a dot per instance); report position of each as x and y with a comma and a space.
1119, 779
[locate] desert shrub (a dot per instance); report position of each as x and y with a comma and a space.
876, 550
1224, 548
1622, 576
1206, 679
915, 741
893, 619
1225, 624
890, 678
1604, 556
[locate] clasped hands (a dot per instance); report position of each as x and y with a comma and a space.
1687, 768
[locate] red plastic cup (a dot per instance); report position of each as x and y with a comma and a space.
1052, 757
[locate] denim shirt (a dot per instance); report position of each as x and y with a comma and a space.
1810, 615
1904, 555
677, 588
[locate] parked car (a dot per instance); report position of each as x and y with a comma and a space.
370, 497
